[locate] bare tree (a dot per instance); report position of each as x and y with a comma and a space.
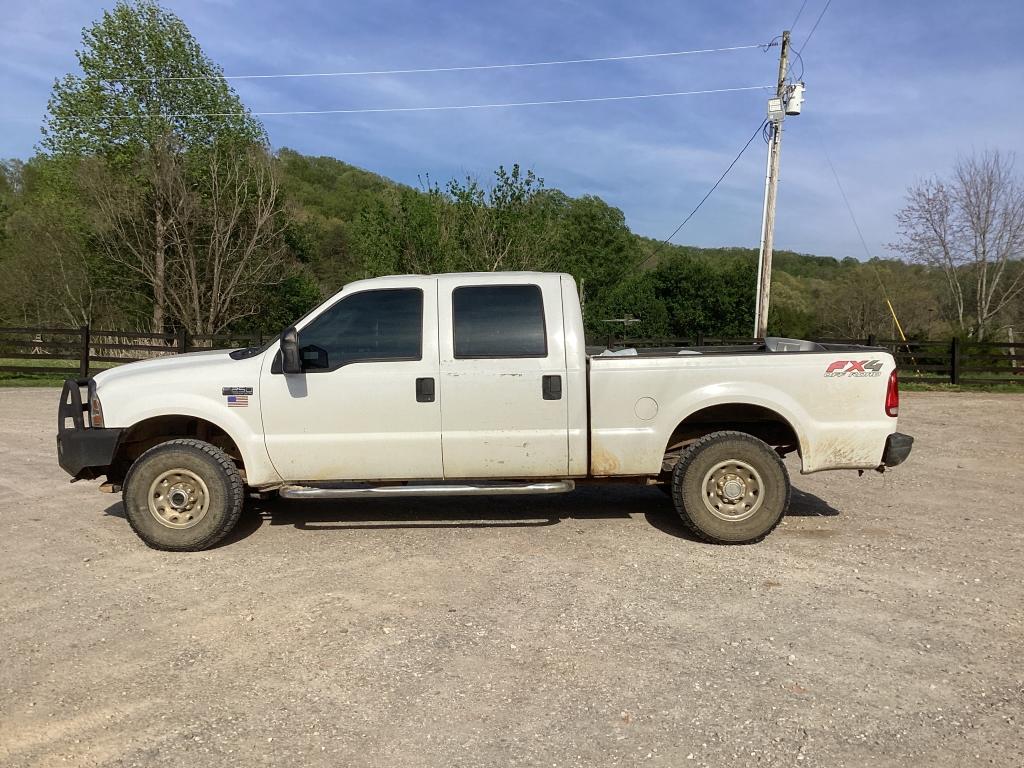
230, 243
971, 227
219, 234
131, 221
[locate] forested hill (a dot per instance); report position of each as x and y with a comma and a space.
791, 262
623, 274
341, 222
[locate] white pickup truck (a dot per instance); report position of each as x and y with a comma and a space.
463, 384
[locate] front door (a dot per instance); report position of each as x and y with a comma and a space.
366, 405
504, 412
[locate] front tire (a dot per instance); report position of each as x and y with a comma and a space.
183, 495
730, 488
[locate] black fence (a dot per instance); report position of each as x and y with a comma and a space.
77, 352
947, 361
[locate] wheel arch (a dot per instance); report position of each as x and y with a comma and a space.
154, 430
755, 419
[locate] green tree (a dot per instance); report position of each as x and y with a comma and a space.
146, 95
10, 179
701, 297
594, 244
463, 226
634, 297
145, 83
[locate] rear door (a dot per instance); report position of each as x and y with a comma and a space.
503, 377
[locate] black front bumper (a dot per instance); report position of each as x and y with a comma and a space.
83, 452
897, 448
86, 454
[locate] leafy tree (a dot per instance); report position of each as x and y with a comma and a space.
594, 244
51, 272
146, 95
462, 227
10, 178
291, 299
634, 297
701, 298
145, 83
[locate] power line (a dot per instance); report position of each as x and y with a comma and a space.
499, 105
468, 68
816, 23
689, 216
798, 15
846, 201
807, 39
863, 242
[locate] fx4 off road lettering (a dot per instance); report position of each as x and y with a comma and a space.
854, 368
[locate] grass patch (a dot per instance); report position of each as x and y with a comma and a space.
26, 380
62, 369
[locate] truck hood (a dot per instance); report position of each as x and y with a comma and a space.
194, 384
175, 366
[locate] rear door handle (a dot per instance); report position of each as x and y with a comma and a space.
551, 387
425, 390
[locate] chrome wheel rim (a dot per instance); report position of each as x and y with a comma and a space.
732, 490
178, 499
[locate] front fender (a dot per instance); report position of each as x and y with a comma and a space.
238, 424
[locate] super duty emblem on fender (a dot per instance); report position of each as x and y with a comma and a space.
854, 368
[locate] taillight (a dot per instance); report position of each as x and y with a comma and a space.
892, 396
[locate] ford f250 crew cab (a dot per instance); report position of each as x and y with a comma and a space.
462, 384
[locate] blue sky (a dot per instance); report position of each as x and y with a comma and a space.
895, 89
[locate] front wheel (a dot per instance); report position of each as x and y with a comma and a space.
730, 488
183, 495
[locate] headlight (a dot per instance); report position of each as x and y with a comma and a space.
95, 407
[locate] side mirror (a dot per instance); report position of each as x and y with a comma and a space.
291, 362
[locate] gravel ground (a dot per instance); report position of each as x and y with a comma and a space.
881, 624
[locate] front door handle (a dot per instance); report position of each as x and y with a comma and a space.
551, 388
425, 390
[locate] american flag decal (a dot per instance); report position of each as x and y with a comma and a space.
238, 401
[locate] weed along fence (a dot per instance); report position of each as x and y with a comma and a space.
79, 352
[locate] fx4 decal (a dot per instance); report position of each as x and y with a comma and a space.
854, 368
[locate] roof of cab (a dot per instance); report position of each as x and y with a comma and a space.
484, 277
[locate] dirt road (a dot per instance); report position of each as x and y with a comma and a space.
881, 624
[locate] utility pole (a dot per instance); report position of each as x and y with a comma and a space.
776, 112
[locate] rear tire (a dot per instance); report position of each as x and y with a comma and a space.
730, 488
183, 495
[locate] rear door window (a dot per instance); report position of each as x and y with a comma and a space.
494, 321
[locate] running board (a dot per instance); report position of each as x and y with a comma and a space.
382, 491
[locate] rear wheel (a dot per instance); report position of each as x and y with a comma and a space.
730, 488
183, 495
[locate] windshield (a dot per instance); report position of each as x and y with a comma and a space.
247, 352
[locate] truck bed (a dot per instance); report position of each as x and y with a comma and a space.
831, 395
